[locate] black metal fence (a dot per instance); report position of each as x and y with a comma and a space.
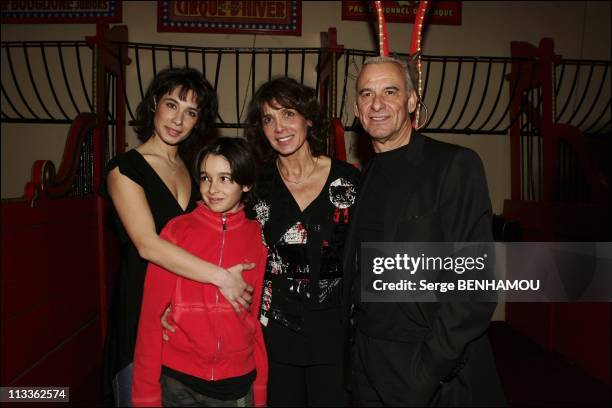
51, 82
46, 82
582, 95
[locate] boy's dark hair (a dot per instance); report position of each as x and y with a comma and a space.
241, 160
187, 79
288, 93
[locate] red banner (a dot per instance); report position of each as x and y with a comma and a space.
60, 12
235, 17
440, 12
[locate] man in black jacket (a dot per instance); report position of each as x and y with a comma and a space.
416, 189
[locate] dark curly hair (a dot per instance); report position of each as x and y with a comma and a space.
186, 79
240, 158
290, 94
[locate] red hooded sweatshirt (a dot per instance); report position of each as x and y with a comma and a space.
211, 340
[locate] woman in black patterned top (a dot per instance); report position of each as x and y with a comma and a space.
304, 205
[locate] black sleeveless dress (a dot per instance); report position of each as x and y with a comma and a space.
127, 294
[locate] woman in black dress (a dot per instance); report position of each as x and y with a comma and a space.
304, 205
148, 186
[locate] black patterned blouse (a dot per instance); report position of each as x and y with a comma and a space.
301, 305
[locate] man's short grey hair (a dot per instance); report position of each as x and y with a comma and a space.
408, 68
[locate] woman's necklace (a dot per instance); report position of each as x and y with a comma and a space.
314, 166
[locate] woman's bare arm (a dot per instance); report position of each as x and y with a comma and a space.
133, 210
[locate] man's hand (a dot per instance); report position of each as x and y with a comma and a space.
235, 289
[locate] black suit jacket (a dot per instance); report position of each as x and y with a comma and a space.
443, 197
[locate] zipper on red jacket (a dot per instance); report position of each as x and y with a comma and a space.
224, 224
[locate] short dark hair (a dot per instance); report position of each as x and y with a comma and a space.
290, 94
186, 79
240, 157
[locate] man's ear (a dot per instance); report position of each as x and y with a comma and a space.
412, 101
355, 110
246, 189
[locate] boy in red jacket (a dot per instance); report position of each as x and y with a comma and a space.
216, 357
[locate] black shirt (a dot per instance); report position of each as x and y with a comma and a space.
385, 173
302, 296
225, 390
